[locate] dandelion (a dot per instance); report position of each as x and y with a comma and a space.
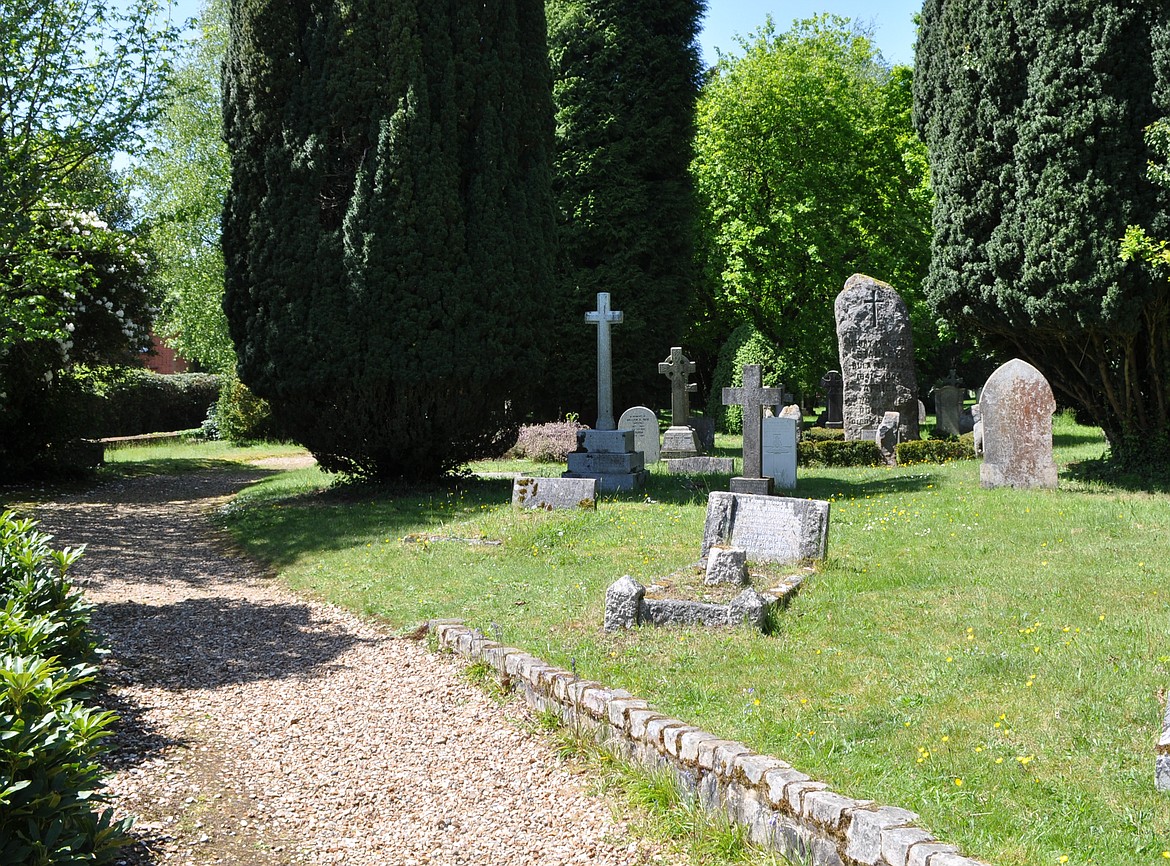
959, 783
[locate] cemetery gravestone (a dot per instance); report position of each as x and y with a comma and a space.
1017, 405
551, 494
603, 317
948, 406
770, 528
701, 466
644, 423
887, 437
793, 411
753, 396
680, 438
877, 357
779, 451
833, 389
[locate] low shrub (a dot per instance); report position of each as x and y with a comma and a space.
823, 434
935, 450
239, 415
50, 738
547, 443
837, 452
131, 401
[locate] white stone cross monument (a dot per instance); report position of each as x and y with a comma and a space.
753, 397
603, 317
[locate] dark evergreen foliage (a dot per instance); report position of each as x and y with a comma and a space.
625, 79
1034, 112
389, 228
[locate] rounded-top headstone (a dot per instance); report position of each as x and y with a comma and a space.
877, 357
1017, 406
644, 423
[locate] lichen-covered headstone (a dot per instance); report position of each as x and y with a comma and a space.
726, 565
1017, 406
877, 357
887, 437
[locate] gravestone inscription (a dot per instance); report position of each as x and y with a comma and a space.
644, 423
770, 528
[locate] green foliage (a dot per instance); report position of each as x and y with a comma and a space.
182, 180
49, 738
240, 416
822, 434
1033, 113
809, 171
838, 452
128, 402
935, 450
387, 234
625, 80
746, 345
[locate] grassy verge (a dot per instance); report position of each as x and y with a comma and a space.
992, 659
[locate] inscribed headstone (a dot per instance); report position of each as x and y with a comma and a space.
948, 406
644, 423
770, 528
1017, 406
779, 451
877, 357
550, 494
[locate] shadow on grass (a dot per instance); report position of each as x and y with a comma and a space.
166, 466
1071, 439
1103, 473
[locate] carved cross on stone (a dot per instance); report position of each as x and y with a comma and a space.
753, 397
677, 368
603, 317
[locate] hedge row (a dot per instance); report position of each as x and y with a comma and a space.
50, 734
139, 401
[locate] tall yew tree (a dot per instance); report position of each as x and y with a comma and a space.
388, 232
625, 79
1034, 111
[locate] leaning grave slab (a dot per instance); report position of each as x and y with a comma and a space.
772, 530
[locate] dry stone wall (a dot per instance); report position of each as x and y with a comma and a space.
782, 808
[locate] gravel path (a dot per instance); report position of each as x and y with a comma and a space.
259, 727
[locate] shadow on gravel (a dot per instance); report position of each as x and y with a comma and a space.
135, 740
206, 643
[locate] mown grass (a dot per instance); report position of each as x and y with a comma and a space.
992, 659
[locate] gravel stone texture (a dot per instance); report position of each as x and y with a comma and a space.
261, 727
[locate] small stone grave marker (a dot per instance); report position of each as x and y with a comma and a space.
1017, 404
779, 454
552, 494
770, 528
644, 423
701, 466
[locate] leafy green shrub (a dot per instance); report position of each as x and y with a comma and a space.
746, 345
240, 416
49, 738
547, 443
935, 450
823, 434
838, 452
128, 401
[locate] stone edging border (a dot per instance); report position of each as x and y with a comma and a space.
1162, 755
782, 808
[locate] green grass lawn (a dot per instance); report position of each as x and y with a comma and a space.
992, 659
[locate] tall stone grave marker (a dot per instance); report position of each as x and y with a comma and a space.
644, 423
877, 357
832, 386
948, 405
779, 450
753, 396
605, 453
680, 438
1017, 406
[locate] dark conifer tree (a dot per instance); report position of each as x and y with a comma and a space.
625, 79
1034, 111
389, 230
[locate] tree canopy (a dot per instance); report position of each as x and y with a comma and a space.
809, 171
1034, 115
387, 234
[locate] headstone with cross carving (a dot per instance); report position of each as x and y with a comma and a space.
877, 358
752, 396
603, 317
679, 441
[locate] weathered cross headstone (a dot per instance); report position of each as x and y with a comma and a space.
603, 317
752, 396
877, 357
948, 405
1017, 406
680, 438
832, 386
644, 423
770, 528
779, 451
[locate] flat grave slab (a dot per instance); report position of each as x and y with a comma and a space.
551, 494
770, 528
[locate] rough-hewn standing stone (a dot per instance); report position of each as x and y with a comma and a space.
622, 599
887, 437
1017, 405
877, 357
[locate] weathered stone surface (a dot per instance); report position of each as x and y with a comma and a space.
677, 368
792, 410
670, 611
922, 854
826, 808
877, 357
896, 844
623, 600
887, 437
603, 317
605, 441
778, 457
863, 837
777, 782
606, 464
754, 767
603, 456
977, 429
749, 608
752, 486
1017, 406
551, 494
644, 423
948, 406
726, 565
679, 443
752, 396
769, 528
1162, 772
704, 431
701, 466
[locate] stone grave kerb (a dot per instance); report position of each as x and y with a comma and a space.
603, 317
752, 396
